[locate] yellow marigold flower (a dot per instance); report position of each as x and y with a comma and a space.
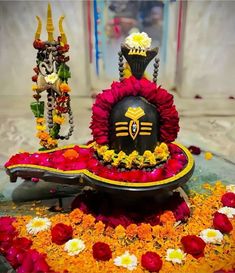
64, 87
149, 157
40, 120
121, 155
76, 216
102, 149
108, 155
131, 230
41, 127
145, 232
34, 87
43, 135
208, 155
120, 231
52, 142
58, 119
133, 155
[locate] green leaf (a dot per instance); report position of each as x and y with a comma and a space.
54, 131
37, 108
64, 72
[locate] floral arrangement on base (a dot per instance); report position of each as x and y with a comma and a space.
134, 159
76, 242
80, 158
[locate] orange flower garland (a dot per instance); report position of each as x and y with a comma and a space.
138, 240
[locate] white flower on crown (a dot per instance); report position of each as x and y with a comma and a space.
126, 260
138, 40
212, 236
38, 224
74, 246
51, 78
230, 212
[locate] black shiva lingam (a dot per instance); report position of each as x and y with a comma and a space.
134, 125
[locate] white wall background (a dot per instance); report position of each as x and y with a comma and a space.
17, 27
208, 56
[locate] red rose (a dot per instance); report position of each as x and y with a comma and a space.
193, 245
61, 233
222, 223
22, 243
101, 251
181, 211
228, 199
151, 261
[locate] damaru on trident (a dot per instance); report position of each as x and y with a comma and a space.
51, 75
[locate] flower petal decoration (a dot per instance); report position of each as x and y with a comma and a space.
61, 233
151, 261
193, 245
228, 199
126, 260
38, 224
101, 251
138, 40
212, 236
51, 78
74, 246
175, 255
230, 212
222, 223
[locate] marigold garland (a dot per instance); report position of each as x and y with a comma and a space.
148, 159
137, 240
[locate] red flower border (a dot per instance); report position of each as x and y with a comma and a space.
169, 119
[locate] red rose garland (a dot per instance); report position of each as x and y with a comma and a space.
169, 119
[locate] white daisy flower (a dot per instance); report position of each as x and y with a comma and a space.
230, 212
230, 188
138, 40
38, 224
74, 246
51, 78
175, 255
126, 260
210, 235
